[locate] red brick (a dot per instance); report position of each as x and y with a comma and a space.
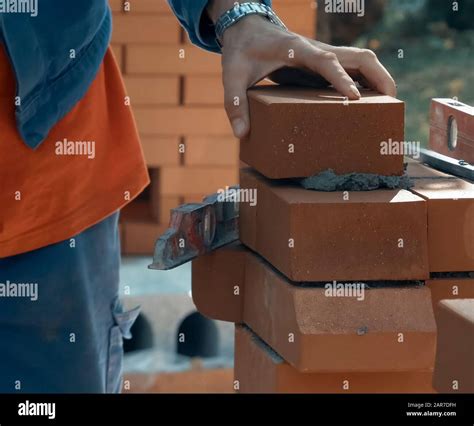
374, 235
441, 112
212, 151
139, 237
161, 150
201, 90
258, 369
324, 133
165, 205
153, 90
450, 288
182, 121
218, 283
161, 206
149, 28
298, 17
196, 180
193, 381
137, 211
158, 59
304, 325
450, 218
197, 198
454, 369
140, 230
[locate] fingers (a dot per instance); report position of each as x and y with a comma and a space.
376, 74
236, 102
370, 71
327, 65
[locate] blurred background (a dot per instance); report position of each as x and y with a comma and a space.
176, 94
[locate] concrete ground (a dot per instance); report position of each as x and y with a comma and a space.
165, 299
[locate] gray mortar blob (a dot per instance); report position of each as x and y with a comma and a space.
329, 181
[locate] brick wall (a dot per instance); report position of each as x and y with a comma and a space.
176, 94
410, 248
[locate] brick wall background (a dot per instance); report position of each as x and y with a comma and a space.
176, 94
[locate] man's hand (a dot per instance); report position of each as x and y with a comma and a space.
254, 49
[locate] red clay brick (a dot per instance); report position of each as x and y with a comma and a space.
137, 211
165, 205
454, 369
157, 59
148, 28
139, 229
326, 341
218, 283
450, 218
197, 198
260, 370
153, 90
450, 288
192, 381
297, 132
441, 112
161, 150
304, 325
298, 17
321, 236
196, 180
182, 121
201, 90
139, 237
161, 206
212, 151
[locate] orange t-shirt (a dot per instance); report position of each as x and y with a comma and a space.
90, 165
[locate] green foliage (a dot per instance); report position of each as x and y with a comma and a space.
458, 15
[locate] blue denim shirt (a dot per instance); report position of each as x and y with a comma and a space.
57, 54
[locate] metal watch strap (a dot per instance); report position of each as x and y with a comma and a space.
240, 11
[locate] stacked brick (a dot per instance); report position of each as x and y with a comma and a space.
176, 93
287, 284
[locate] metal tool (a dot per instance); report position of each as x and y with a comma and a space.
443, 163
198, 228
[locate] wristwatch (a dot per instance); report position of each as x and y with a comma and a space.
240, 11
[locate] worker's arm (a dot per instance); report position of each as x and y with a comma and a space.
255, 48
194, 18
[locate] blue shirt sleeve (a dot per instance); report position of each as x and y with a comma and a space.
192, 15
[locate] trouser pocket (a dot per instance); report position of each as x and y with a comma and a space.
123, 322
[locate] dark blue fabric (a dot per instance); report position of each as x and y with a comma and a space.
49, 80
77, 282
200, 31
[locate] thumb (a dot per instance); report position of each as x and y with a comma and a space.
236, 104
